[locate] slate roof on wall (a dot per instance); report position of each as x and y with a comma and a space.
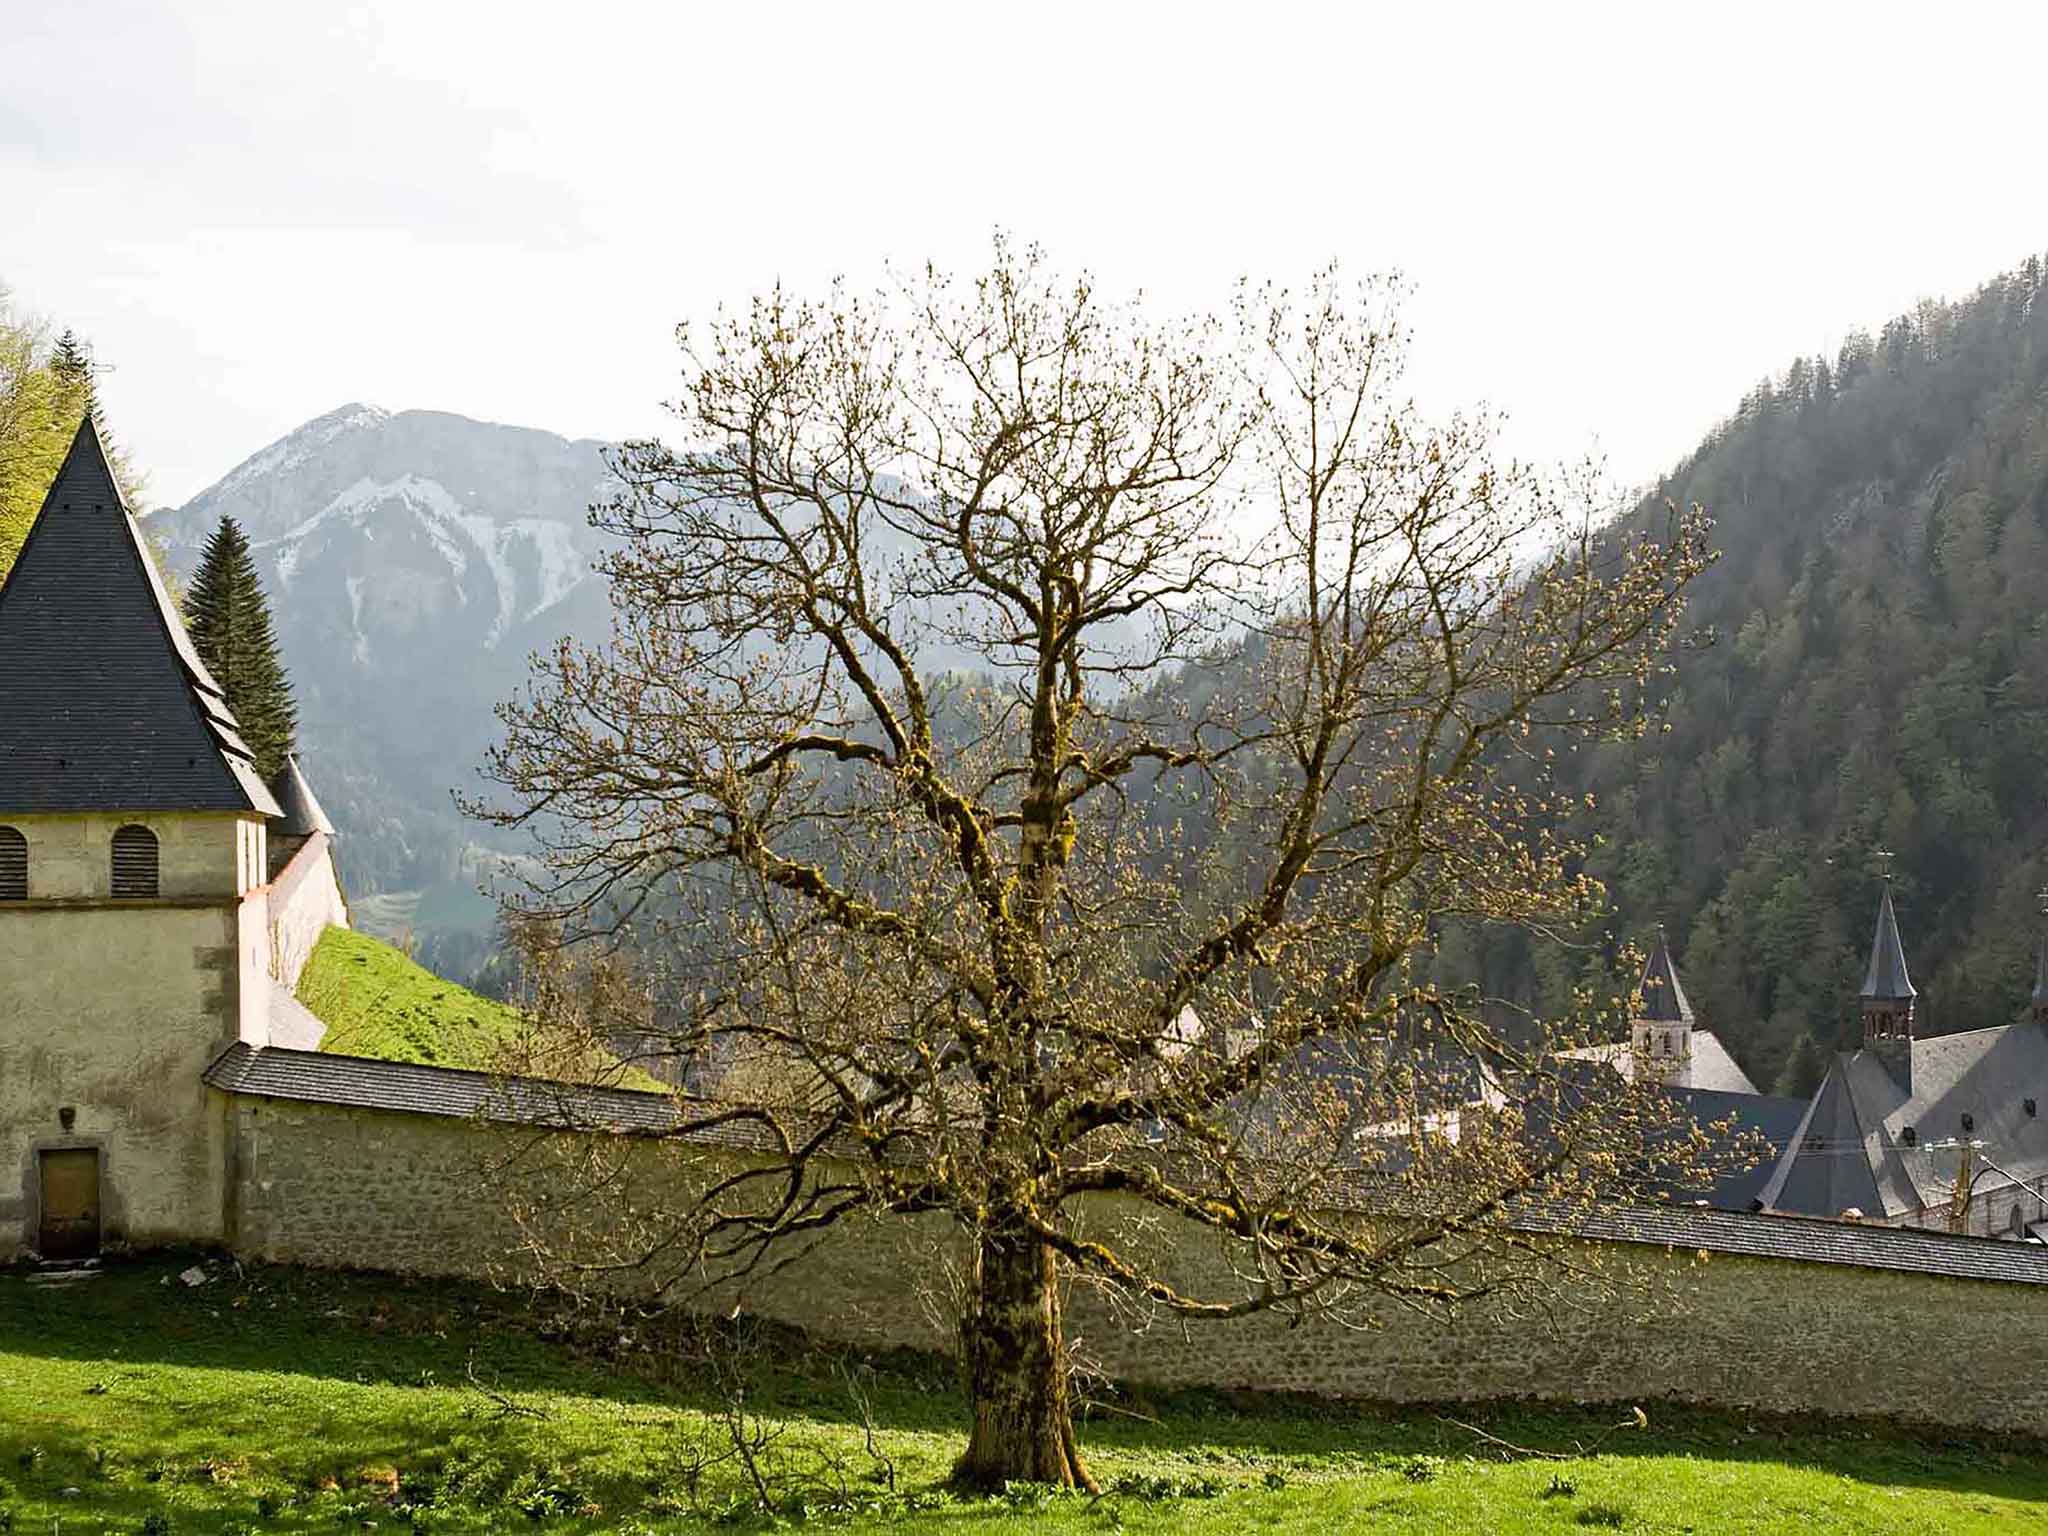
104, 705
405, 1088
362, 1082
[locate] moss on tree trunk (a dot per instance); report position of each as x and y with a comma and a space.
1016, 1362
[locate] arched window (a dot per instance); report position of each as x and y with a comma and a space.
134, 862
13, 865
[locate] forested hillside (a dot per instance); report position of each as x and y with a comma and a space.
1877, 677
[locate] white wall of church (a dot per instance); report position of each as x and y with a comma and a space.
70, 858
112, 1010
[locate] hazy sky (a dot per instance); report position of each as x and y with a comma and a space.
1617, 218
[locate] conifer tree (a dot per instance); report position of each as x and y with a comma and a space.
229, 619
1803, 1070
71, 361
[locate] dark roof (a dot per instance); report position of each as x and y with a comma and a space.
357, 1082
302, 814
1663, 998
1759, 1117
1813, 1242
104, 705
1852, 1148
1886, 979
363, 1082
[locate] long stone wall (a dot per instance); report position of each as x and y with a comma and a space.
423, 1194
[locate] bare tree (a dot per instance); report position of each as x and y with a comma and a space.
1052, 740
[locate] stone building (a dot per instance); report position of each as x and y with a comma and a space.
1665, 1043
1922, 1130
156, 897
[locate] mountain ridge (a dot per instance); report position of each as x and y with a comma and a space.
413, 559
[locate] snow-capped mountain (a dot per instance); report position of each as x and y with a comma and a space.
413, 561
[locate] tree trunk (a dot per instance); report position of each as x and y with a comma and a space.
1016, 1360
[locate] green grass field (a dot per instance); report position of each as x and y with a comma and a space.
285, 1400
375, 1001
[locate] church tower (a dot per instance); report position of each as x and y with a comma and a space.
1888, 996
134, 889
2040, 998
1661, 1032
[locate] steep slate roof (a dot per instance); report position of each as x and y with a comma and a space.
1886, 980
1851, 1150
1767, 1117
301, 811
104, 705
1664, 999
357, 1082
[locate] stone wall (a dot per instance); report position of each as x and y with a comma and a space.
417, 1193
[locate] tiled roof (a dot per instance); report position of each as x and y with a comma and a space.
362, 1082
104, 705
1764, 1117
405, 1088
1809, 1241
1852, 1150
1710, 1067
1707, 1064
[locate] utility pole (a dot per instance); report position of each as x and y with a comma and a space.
1966, 1172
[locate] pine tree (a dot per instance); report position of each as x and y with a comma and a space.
71, 361
230, 624
1803, 1070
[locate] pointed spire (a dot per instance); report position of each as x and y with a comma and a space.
104, 705
2040, 998
1888, 992
1886, 979
1664, 1000
86, 480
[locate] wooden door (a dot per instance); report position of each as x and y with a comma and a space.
71, 1204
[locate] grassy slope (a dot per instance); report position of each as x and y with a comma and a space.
284, 1400
376, 1002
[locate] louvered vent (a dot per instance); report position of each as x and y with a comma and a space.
13, 865
134, 862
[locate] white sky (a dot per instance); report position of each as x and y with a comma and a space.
1618, 218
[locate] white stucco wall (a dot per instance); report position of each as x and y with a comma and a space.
305, 901
114, 1011
199, 854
